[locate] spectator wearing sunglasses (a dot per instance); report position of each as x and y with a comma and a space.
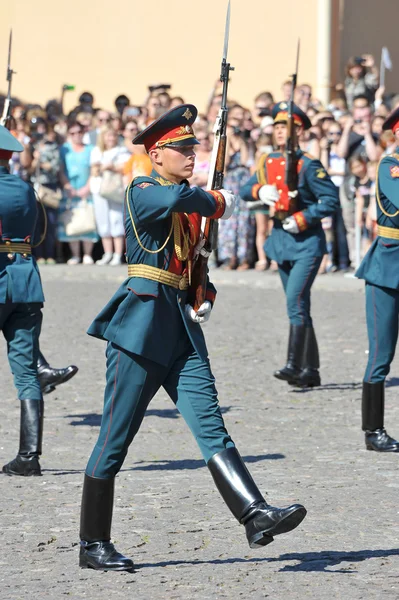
101, 120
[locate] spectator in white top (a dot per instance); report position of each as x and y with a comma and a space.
108, 156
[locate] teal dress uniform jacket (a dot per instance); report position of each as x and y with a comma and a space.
317, 198
19, 275
137, 318
380, 266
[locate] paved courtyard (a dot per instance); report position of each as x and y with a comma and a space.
303, 446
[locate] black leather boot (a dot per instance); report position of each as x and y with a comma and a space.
26, 462
309, 375
247, 504
49, 378
294, 355
96, 550
373, 404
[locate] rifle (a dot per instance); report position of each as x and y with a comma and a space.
209, 227
7, 102
286, 206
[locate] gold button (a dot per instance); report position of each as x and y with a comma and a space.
24, 255
282, 162
28, 238
278, 177
183, 283
270, 160
8, 242
10, 256
280, 191
179, 300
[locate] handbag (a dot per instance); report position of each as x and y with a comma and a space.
49, 197
79, 220
112, 187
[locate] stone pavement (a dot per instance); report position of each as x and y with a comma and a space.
302, 446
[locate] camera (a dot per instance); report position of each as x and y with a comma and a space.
358, 60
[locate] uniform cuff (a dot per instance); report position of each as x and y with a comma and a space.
300, 221
211, 296
220, 203
255, 190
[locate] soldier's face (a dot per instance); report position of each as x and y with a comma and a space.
177, 162
280, 133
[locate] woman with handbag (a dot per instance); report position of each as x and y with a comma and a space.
45, 176
76, 221
106, 185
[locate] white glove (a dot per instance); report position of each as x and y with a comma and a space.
231, 201
268, 194
203, 313
293, 194
290, 225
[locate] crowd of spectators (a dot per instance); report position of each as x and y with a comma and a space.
87, 157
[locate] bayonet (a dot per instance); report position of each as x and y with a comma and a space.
7, 102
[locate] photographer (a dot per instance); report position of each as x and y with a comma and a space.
361, 78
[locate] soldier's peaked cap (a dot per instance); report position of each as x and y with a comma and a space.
173, 128
280, 115
8, 143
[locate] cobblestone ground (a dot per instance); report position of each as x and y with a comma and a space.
300, 446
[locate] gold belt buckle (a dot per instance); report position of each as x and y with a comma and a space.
183, 283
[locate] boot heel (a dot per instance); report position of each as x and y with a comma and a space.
260, 539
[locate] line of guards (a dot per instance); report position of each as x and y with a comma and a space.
168, 348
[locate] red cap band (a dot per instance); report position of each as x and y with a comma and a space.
396, 126
5, 155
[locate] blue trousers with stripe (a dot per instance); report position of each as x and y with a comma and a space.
297, 278
382, 315
132, 381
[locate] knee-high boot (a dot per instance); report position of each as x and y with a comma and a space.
96, 549
247, 504
49, 378
30, 440
373, 404
309, 375
296, 342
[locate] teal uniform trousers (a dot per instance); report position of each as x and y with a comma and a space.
151, 341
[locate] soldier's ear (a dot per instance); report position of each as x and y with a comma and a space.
156, 156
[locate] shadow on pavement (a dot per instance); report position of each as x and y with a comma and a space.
169, 465
190, 464
94, 419
353, 385
308, 561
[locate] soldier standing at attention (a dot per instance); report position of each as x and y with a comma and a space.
297, 242
380, 271
155, 339
21, 300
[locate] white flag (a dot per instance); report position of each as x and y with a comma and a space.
386, 58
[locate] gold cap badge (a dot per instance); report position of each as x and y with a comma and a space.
187, 114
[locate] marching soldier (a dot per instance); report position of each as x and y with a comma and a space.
21, 300
380, 271
297, 242
155, 339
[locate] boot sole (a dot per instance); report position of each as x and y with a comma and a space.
31, 474
50, 388
86, 565
368, 447
288, 524
283, 377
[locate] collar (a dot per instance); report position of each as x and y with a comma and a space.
4, 170
163, 181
